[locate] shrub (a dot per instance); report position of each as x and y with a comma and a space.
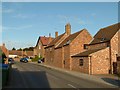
36, 58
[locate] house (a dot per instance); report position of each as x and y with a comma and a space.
4, 49
15, 53
41, 44
20, 54
100, 56
29, 54
50, 49
71, 45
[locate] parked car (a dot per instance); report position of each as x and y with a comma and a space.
10, 60
24, 60
40, 61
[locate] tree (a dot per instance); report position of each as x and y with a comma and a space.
19, 49
3, 57
13, 48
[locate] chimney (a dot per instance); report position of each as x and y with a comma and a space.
68, 29
49, 34
4, 44
56, 34
50, 39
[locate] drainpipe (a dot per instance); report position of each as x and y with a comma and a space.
110, 70
90, 65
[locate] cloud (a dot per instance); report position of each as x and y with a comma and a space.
7, 10
20, 16
17, 44
16, 28
24, 16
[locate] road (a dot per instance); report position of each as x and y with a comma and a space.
28, 75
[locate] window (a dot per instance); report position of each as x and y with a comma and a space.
85, 46
81, 62
103, 39
68, 42
50, 49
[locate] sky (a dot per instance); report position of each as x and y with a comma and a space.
24, 22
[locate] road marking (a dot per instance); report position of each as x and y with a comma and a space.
71, 86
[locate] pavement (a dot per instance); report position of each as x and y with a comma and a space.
106, 79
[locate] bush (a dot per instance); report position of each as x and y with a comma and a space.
36, 58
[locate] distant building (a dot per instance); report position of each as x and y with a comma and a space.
15, 53
4, 50
29, 54
41, 44
20, 54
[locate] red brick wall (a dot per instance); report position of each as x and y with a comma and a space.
97, 46
67, 57
119, 42
77, 45
49, 59
58, 57
37, 50
77, 67
114, 48
100, 62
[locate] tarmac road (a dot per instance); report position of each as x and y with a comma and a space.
28, 75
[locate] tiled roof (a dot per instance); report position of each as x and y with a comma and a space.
69, 39
54, 41
86, 53
106, 34
15, 52
44, 40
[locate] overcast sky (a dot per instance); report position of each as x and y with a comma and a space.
24, 22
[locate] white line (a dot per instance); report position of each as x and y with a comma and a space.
71, 86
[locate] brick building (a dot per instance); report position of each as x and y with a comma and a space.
71, 45
15, 53
100, 56
29, 54
20, 54
4, 50
50, 49
41, 44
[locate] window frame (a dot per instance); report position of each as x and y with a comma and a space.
81, 62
